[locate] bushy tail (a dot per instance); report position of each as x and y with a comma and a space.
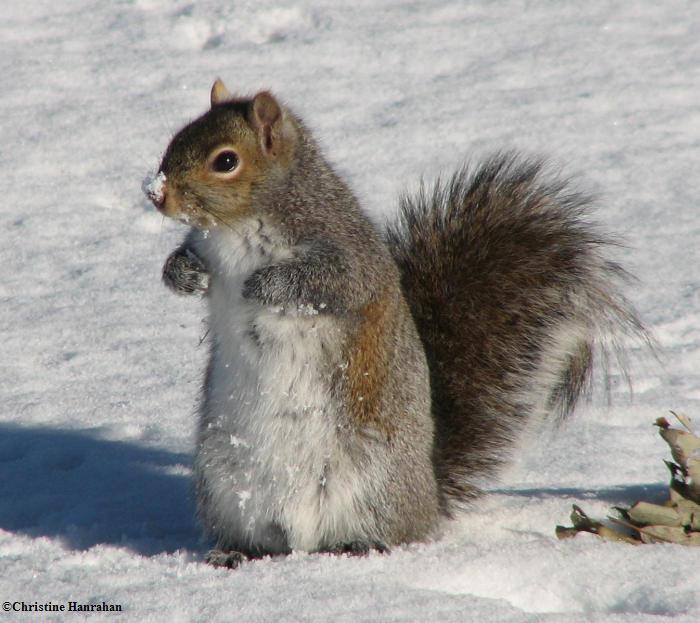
511, 292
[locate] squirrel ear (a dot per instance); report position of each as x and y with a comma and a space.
219, 93
266, 108
268, 118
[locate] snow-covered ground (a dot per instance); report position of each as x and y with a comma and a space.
101, 365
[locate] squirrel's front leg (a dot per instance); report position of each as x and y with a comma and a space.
317, 280
184, 272
278, 285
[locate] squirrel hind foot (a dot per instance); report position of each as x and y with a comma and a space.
230, 560
357, 548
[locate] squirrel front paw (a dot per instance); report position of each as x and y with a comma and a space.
185, 273
271, 285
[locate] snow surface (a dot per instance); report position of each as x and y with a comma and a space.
101, 365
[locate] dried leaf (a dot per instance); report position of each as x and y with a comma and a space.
689, 514
684, 420
629, 526
684, 491
613, 535
583, 523
662, 422
676, 471
694, 475
683, 445
645, 513
678, 521
675, 496
669, 534
565, 533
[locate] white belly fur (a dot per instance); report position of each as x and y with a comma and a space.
275, 474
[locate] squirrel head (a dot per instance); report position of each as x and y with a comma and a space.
216, 168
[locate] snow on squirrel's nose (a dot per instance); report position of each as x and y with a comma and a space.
154, 188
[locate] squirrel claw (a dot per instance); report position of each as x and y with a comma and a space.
230, 560
358, 548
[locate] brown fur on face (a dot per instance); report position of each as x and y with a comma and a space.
204, 200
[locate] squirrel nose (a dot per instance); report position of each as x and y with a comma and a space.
154, 189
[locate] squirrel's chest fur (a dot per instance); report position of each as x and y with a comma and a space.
273, 473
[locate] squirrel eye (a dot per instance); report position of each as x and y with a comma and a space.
225, 162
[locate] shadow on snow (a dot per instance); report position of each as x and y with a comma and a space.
85, 491
621, 495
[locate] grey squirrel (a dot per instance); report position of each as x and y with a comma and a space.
362, 383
